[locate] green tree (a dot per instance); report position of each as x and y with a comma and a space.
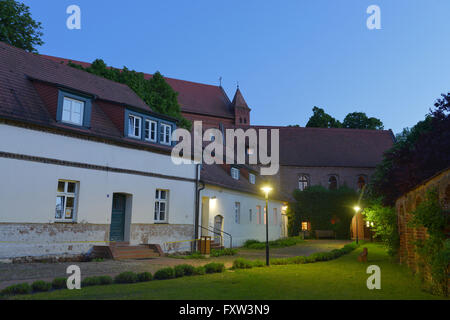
155, 92
320, 119
384, 219
17, 28
359, 120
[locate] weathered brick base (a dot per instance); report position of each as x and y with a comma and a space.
407, 204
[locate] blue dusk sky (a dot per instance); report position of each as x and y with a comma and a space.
287, 56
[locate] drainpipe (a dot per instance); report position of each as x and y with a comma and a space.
197, 203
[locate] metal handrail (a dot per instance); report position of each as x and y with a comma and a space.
228, 234
218, 233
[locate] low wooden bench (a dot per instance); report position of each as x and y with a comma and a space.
325, 234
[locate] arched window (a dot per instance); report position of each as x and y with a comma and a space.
361, 182
332, 183
303, 182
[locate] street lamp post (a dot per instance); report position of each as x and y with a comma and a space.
356, 208
266, 190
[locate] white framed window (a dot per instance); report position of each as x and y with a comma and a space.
66, 200
150, 130
73, 111
275, 216
134, 126
303, 182
165, 133
252, 178
161, 201
258, 214
235, 173
237, 212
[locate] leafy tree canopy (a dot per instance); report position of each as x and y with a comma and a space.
418, 154
320, 119
17, 28
325, 209
354, 120
155, 92
359, 120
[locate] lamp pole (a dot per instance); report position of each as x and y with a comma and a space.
356, 221
266, 191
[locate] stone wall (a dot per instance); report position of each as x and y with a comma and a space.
407, 204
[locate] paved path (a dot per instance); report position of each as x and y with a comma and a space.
29, 272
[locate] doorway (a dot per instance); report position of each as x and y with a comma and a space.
117, 228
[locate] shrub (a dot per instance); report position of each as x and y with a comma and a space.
126, 277
21, 288
144, 277
249, 242
199, 270
214, 267
258, 263
164, 273
41, 286
90, 281
59, 283
184, 270
105, 280
242, 263
223, 252
280, 243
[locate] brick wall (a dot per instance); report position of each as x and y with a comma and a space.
407, 204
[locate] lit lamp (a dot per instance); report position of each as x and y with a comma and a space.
266, 190
356, 208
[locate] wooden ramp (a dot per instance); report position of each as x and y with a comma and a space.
125, 251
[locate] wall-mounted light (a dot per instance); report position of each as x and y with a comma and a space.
212, 202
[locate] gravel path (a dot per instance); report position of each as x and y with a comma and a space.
29, 272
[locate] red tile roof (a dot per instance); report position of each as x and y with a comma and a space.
193, 97
332, 147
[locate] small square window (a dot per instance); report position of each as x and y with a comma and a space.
66, 201
72, 111
134, 126
235, 173
252, 178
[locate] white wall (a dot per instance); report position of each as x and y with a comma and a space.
28, 189
224, 205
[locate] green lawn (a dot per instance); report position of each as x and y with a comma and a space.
343, 278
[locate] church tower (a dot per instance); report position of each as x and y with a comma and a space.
241, 109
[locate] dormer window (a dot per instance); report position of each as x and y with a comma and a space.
165, 134
252, 178
74, 109
134, 126
150, 130
235, 173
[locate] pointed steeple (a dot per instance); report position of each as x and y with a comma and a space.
238, 100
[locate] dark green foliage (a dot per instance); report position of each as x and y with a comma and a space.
359, 120
316, 257
90, 281
418, 154
41, 286
214, 267
21, 288
320, 119
144, 277
164, 273
17, 27
59, 283
434, 251
279, 243
184, 270
384, 219
105, 280
155, 92
126, 277
199, 270
223, 252
324, 209
242, 263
